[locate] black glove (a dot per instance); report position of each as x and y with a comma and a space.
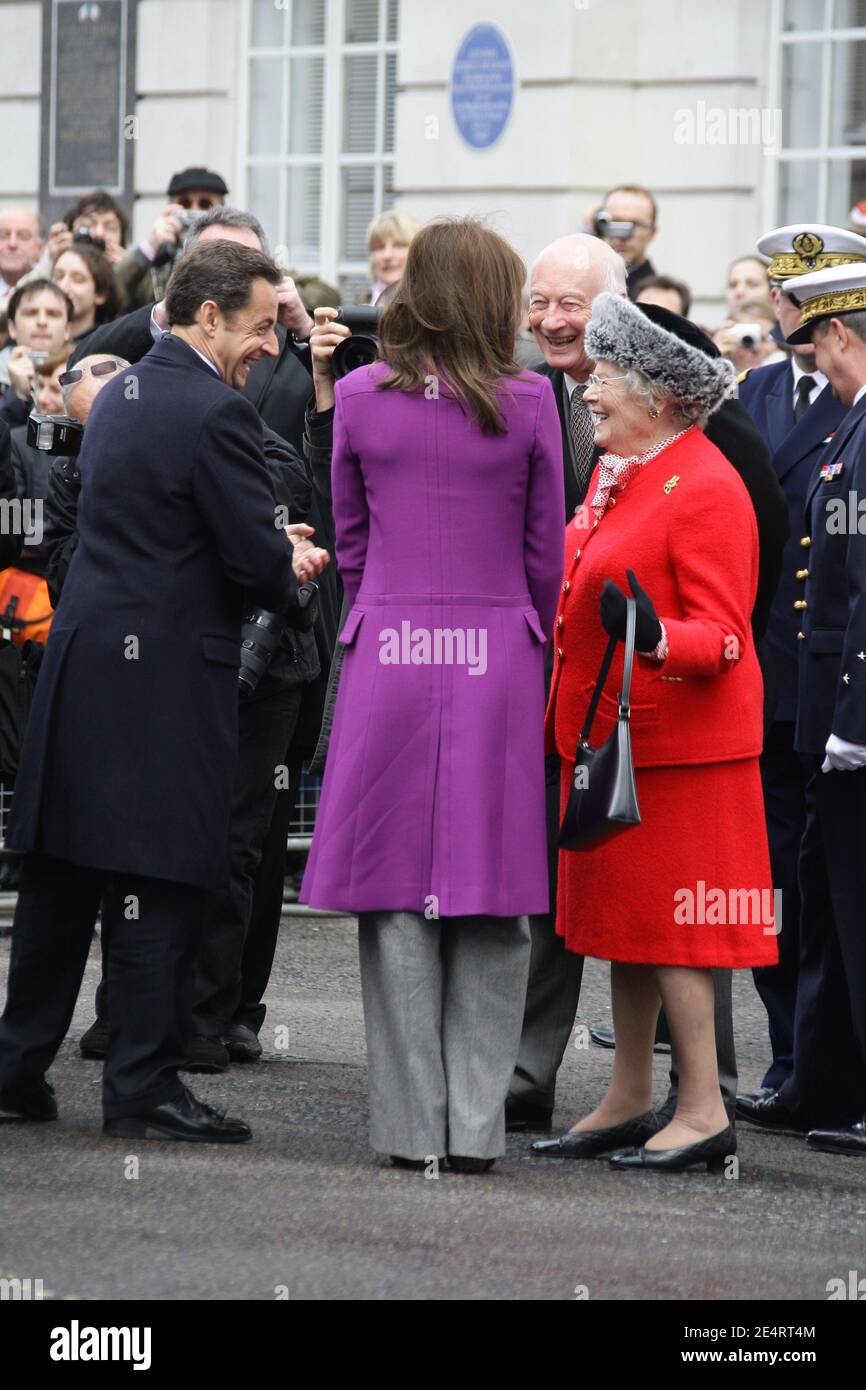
648, 629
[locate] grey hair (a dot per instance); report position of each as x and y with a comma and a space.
226, 217
856, 322
683, 413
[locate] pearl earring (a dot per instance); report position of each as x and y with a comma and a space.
654, 412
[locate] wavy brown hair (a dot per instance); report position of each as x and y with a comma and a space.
455, 316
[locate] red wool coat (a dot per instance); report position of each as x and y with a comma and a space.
686, 526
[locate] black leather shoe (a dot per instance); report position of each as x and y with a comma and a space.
603, 1037
206, 1055
851, 1139
185, 1118
94, 1043
32, 1101
462, 1163
592, 1143
768, 1112
241, 1043
713, 1152
522, 1116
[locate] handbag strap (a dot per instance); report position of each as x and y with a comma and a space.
604, 670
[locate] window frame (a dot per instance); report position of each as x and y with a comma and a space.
823, 152
330, 264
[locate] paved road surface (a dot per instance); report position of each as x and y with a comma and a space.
307, 1205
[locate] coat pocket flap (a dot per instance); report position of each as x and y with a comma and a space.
826, 640
350, 627
216, 647
534, 623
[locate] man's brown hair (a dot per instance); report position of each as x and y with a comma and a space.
635, 188
456, 315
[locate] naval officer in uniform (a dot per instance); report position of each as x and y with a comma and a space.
826, 1092
796, 412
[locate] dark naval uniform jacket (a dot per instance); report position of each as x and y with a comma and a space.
833, 628
129, 757
796, 448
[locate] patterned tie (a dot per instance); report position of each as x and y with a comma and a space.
804, 390
582, 432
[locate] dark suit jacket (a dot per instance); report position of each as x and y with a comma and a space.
795, 448
833, 647
31, 467
10, 538
732, 431
279, 387
574, 494
129, 757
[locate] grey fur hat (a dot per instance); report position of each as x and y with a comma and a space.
618, 332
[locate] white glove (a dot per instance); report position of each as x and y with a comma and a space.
843, 756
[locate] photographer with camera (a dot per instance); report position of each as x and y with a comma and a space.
627, 220
143, 272
96, 220
746, 338
40, 314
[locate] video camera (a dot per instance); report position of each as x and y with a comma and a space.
363, 346
607, 228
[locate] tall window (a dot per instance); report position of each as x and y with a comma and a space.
822, 83
320, 146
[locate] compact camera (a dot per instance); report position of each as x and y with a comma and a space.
83, 234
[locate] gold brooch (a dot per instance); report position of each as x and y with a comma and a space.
671, 483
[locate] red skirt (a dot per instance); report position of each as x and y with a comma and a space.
690, 885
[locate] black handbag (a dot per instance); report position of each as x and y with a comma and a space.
603, 797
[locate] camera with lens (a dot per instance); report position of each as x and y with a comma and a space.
363, 346
607, 227
55, 434
170, 250
747, 335
261, 635
83, 235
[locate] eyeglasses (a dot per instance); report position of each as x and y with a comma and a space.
98, 369
598, 383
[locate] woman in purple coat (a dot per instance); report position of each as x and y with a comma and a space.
448, 504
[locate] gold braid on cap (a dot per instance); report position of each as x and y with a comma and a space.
837, 302
808, 254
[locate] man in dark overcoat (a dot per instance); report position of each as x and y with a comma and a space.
125, 787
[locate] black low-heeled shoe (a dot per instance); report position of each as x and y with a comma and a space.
415, 1165
713, 1152
463, 1163
592, 1143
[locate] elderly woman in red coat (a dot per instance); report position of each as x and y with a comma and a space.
669, 522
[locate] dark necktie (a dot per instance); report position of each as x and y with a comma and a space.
582, 432
805, 386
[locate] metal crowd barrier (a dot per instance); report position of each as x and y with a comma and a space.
299, 838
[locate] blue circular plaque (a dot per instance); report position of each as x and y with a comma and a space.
482, 86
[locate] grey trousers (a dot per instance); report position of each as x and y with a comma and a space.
443, 1007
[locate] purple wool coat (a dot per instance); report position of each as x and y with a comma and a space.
450, 547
